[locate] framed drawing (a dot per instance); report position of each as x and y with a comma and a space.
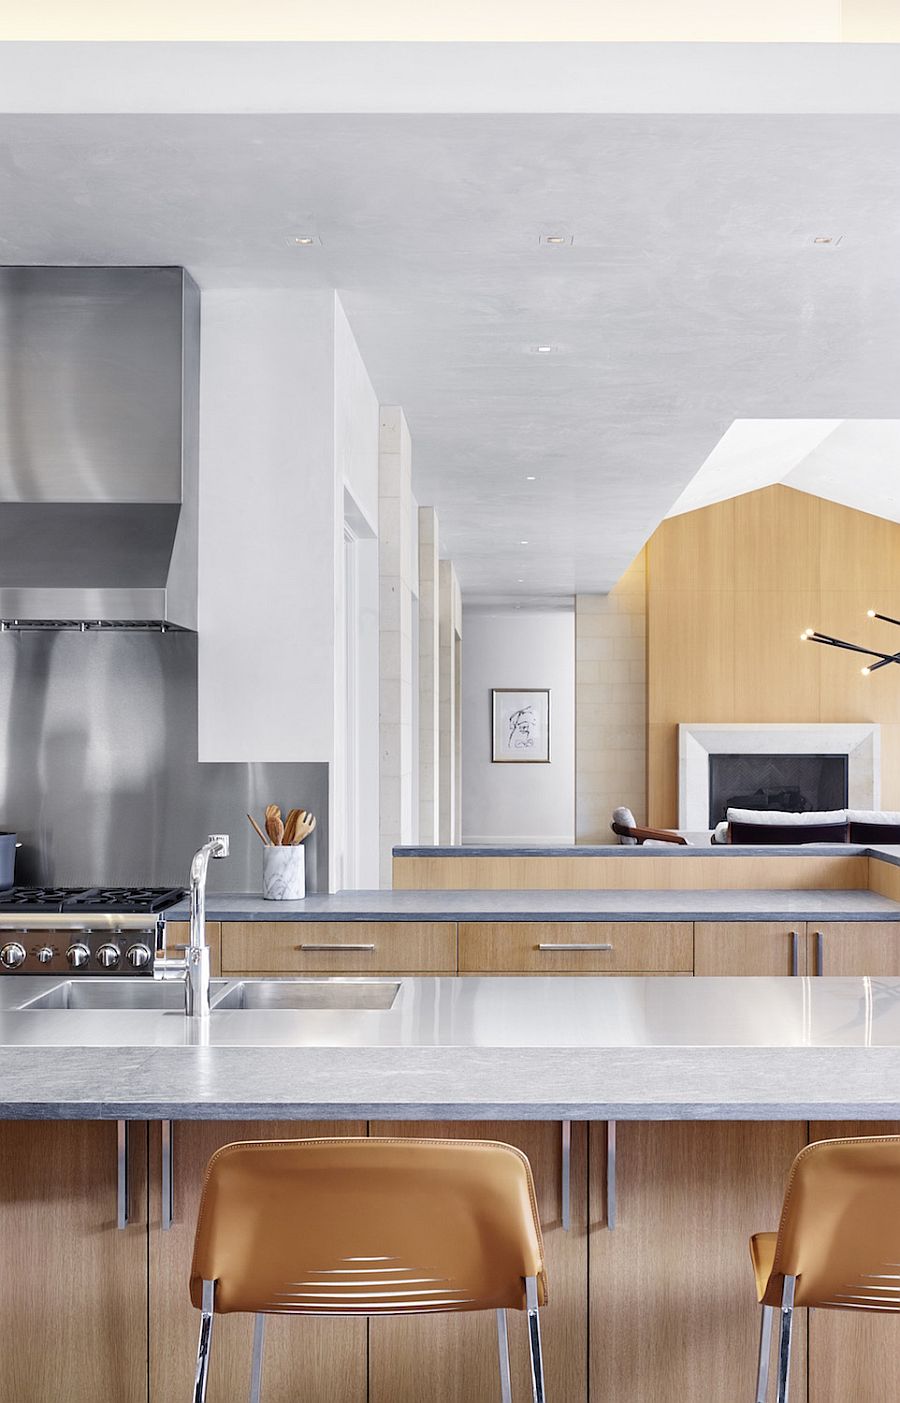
521, 726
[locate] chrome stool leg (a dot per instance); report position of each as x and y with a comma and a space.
503, 1355
765, 1351
201, 1377
534, 1340
784, 1342
259, 1339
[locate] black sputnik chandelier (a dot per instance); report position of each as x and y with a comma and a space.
812, 635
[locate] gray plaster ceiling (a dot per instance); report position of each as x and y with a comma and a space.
692, 295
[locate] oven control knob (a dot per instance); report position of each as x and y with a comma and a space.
109, 956
78, 955
44, 954
138, 956
12, 955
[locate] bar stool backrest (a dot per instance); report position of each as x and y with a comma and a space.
367, 1226
840, 1226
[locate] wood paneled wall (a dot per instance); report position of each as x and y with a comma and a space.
731, 587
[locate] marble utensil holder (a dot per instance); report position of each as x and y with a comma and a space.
284, 873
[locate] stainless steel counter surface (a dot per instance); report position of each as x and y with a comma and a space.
554, 906
477, 1048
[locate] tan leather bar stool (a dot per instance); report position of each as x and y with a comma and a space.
368, 1227
838, 1243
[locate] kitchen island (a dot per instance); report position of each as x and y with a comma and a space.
688, 1100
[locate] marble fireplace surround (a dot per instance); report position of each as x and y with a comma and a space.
860, 742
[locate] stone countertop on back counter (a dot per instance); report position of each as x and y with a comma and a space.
762, 905
884, 852
475, 1049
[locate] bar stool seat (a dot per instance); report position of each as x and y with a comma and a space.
368, 1226
837, 1245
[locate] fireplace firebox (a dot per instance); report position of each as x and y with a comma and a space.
789, 783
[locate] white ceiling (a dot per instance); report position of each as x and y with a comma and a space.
693, 294
852, 461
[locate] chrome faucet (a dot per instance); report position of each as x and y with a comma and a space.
194, 966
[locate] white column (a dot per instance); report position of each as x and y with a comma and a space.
450, 710
429, 677
395, 554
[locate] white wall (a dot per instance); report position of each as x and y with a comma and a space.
288, 448
518, 803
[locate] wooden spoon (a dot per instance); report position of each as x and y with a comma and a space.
274, 825
290, 826
304, 827
259, 830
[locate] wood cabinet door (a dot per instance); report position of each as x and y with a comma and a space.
853, 1355
854, 948
673, 1312
73, 1286
453, 1358
307, 1360
749, 947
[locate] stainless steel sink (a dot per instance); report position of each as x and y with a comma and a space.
309, 994
114, 994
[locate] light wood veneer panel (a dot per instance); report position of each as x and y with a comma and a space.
635, 946
786, 872
852, 1356
855, 948
453, 1358
884, 878
73, 1288
306, 1360
748, 947
768, 557
400, 947
673, 1305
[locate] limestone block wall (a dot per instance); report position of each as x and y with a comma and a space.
610, 704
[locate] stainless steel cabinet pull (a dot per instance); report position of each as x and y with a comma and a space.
795, 952
168, 1177
820, 952
573, 945
336, 946
566, 1183
611, 1204
122, 1174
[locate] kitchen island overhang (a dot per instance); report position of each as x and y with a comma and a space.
507, 1048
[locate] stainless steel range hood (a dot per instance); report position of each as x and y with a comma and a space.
99, 391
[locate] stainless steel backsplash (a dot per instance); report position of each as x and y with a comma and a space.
99, 774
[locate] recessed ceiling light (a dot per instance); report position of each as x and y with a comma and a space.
556, 238
303, 240
831, 239
529, 477
543, 350
520, 580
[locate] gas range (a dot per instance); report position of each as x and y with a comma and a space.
82, 930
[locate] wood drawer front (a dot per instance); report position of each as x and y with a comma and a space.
338, 947
516, 948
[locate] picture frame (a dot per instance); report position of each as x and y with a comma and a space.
520, 725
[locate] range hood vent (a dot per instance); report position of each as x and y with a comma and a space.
99, 394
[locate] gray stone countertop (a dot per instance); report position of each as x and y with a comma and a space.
474, 1049
717, 905
885, 853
